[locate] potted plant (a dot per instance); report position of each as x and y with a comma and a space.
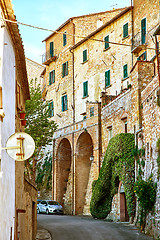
23, 122
22, 115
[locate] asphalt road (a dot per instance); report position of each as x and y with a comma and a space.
86, 228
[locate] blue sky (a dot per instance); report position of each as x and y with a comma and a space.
51, 14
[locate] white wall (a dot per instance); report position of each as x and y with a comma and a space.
7, 128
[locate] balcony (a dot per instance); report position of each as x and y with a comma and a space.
47, 57
139, 42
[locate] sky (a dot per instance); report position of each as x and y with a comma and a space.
51, 14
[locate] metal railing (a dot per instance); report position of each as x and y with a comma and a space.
138, 41
48, 55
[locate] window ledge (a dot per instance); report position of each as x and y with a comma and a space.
105, 49
125, 37
125, 78
84, 62
85, 97
108, 86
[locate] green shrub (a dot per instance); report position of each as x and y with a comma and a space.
118, 162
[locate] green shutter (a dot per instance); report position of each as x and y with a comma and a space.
125, 30
53, 76
62, 70
50, 78
62, 103
143, 30
107, 78
65, 97
106, 39
52, 109
85, 55
66, 68
125, 71
85, 89
51, 49
64, 39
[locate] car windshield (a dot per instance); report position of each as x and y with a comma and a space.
53, 203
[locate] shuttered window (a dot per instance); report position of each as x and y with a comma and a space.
125, 71
106, 42
51, 49
143, 30
51, 109
107, 78
64, 69
51, 77
85, 55
64, 103
125, 30
85, 89
64, 39
91, 111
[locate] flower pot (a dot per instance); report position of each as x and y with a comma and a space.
22, 115
23, 122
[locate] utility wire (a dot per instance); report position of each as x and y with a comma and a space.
78, 36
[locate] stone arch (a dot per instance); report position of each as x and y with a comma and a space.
84, 149
63, 166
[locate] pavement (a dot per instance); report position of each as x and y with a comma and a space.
43, 234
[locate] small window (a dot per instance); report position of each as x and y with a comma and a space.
143, 30
125, 71
107, 78
85, 55
64, 103
51, 109
51, 77
125, 126
64, 69
51, 49
85, 89
110, 133
106, 42
125, 30
91, 111
64, 39
142, 57
84, 117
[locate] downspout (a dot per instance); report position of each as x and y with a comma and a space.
73, 143
132, 27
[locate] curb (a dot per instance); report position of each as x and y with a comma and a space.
43, 234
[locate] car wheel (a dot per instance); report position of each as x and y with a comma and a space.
47, 211
38, 211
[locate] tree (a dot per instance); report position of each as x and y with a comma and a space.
38, 126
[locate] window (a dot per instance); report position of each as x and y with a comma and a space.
91, 111
125, 71
64, 39
142, 57
143, 30
51, 109
85, 89
64, 103
107, 78
51, 77
106, 43
125, 30
51, 49
109, 133
125, 126
84, 117
64, 69
85, 55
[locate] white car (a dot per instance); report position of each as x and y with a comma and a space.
49, 206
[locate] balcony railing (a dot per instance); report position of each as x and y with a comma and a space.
139, 42
49, 57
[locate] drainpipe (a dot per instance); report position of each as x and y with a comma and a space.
73, 143
132, 27
157, 53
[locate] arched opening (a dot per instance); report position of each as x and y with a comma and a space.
62, 169
124, 217
84, 150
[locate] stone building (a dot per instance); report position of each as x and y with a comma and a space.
34, 70
17, 194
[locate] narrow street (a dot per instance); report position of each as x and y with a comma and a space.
86, 228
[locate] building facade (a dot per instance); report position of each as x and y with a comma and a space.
17, 195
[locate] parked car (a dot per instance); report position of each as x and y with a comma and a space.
49, 206
38, 202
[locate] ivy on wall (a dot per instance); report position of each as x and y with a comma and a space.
118, 165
